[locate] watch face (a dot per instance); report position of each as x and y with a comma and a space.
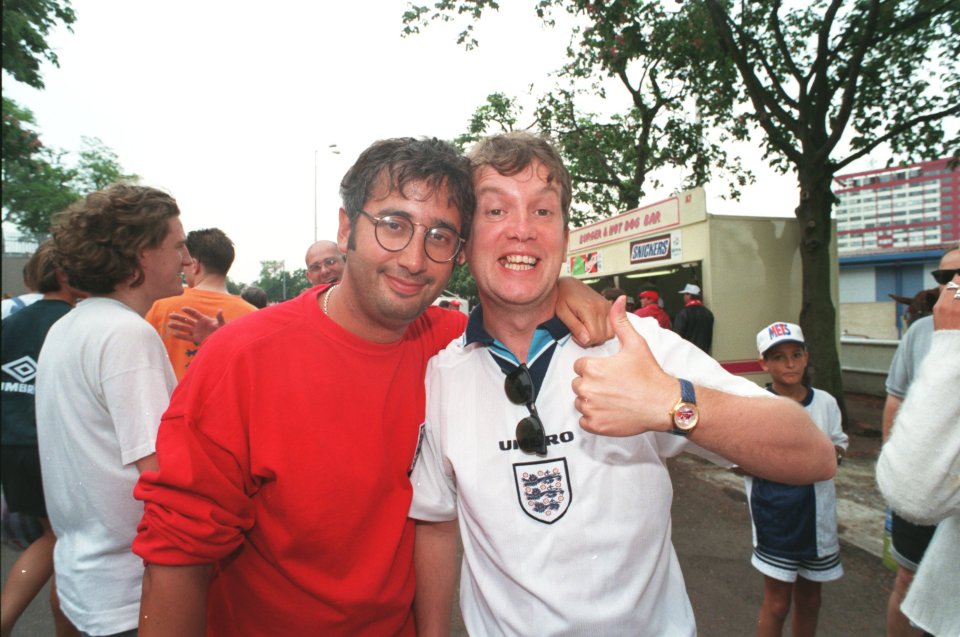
686, 416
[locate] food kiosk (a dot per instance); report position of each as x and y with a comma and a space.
748, 267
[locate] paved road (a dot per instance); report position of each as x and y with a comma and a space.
711, 532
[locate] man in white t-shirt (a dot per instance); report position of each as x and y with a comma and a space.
554, 464
103, 382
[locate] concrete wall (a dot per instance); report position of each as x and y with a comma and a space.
864, 364
858, 285
869, 320
13, 274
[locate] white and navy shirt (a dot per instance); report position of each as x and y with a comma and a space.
573, 543
799, 522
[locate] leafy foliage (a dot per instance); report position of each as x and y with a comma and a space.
829, 82
641, 51
233, 287
26, 25
39, 181
98, 167
462, 284
279, 284
833, 76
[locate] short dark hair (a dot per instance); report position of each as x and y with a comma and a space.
101, 239
212, 249
43, 267
257, 297
612, 294
397, 163
512, 153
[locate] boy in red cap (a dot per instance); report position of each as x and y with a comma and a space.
650, 306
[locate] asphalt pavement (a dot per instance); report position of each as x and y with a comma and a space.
711, 532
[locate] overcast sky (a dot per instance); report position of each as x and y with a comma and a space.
224, 104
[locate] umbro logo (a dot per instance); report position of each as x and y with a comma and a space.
24, 369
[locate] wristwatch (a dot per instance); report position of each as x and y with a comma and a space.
685, 414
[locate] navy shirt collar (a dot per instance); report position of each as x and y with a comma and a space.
806, 399
545, 338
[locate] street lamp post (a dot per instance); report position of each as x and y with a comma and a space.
334, 150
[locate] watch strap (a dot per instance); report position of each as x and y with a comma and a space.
687, 403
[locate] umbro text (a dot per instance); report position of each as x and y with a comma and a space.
552, 439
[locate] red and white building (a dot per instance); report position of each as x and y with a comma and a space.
912, 208
893, 224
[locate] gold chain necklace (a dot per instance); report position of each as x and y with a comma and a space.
326, 299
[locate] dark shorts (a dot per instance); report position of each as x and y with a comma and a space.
909, 541
20, 474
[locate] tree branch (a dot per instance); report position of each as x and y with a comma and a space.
755, 90
782, 43
776, 86
897, 130
850, 89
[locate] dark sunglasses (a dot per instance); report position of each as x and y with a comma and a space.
520, 390
944, 276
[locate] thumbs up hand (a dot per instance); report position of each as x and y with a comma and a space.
627, 393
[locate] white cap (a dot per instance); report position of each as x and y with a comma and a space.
777, 333
691, 289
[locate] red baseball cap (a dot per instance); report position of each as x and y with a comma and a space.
649, 294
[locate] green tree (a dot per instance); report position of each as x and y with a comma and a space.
829, 82
35, 181
233, 287
26, 25
33, 191
38, 185
39, 181
461, 283
34, 178
98, 167
279, 284
635, 52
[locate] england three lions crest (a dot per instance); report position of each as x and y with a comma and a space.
543, 489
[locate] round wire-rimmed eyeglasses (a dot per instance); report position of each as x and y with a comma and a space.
394, 233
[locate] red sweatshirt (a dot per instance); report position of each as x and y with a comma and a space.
284, 457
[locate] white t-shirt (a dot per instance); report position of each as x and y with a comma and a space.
103, 382
822, 541
577, 542
918, 473
17, 303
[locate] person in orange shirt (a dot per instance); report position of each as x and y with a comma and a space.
211, 253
